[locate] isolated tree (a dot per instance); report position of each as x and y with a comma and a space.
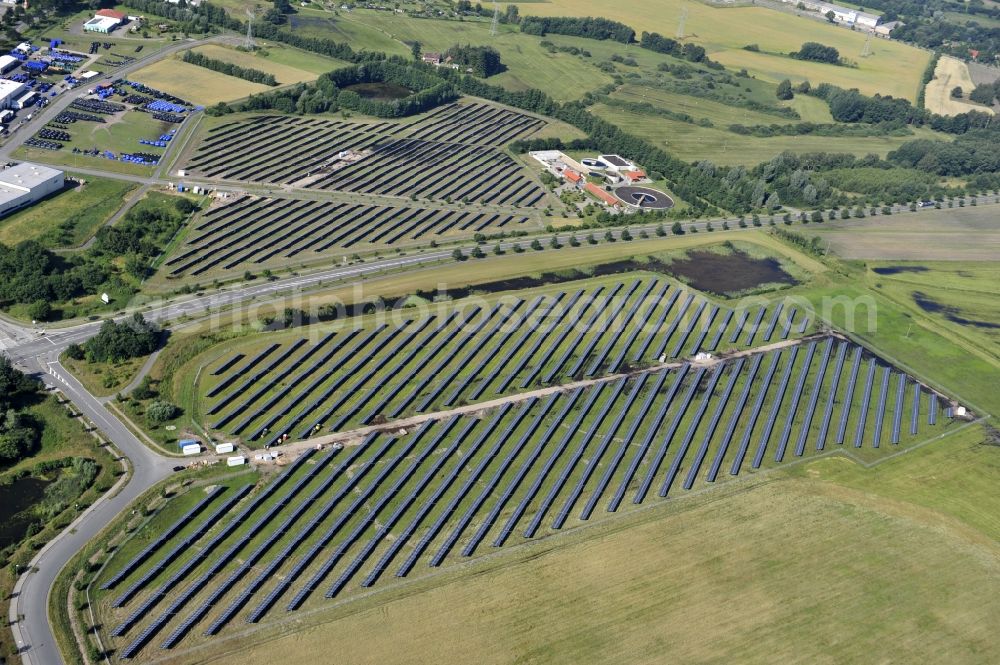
830, 16
677, 229
457, 254
956, 92
416, 50
536, 245
478, 253
784, 90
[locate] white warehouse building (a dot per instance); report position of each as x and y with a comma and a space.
10, 92
841, 14
25, 183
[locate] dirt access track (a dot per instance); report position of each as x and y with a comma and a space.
949, 73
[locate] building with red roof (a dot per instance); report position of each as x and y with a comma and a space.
572, 176
111, 13
604, 196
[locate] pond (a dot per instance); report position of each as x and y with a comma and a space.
380, 90
727, 274
16, 499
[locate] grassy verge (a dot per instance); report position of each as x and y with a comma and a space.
69, 218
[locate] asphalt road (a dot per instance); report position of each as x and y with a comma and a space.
33, 634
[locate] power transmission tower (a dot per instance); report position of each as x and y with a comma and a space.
867, 51
496, 20
248, 43
680, 23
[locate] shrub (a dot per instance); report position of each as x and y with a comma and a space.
161, 412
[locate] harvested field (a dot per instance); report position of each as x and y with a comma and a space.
951, 73
194, 83
957, 234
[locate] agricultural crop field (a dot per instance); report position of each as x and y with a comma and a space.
253, 232
266, 388
445, 155
396, 505
965, 233
951, 73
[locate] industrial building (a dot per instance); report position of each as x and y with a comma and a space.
7, 63
23, 184
10, 92
104, 21
845, 15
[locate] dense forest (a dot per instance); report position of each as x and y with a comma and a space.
20, 433
132, 338
589, 27
32, 274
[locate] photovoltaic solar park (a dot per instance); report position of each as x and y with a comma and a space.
449, 155
620, 392
385, 185
292, 386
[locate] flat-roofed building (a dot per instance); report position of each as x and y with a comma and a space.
10, 92
25, 183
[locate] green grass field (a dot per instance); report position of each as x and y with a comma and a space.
893, 68
561, 75
691, 142
119, 134
81, 210
286, 64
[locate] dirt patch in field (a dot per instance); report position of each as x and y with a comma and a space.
949, 74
